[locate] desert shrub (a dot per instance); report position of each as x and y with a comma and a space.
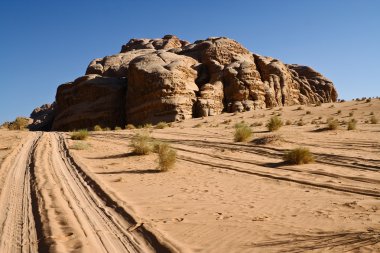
147, 125
351, 114
242, 132
161, 125
107, 129
332, 124
274, 124
142, 143
368, 100
373, 120
98, 128
339, 111
308, 112
80, 146
79, 135
299, 156
130, 126
352, 124
118, 128
20, 123
166, 156
288, 122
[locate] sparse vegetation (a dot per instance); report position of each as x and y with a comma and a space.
373, 120
299, 156
118, 128
80, 146
242, 132
352, 124
80, 135
20, 123
351, 114
368, 100
142, 143
130, 126
332, 124
301, 122
339, 112
308, 112
166, 156
274, 124
288, 122
98, 128
161, 125
107, 129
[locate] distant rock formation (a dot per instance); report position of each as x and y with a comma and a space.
168, 79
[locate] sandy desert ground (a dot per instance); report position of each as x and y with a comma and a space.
222, 196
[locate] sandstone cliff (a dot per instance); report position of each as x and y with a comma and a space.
169, 79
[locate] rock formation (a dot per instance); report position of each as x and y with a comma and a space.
169, 79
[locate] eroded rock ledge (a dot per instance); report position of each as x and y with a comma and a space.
169, 79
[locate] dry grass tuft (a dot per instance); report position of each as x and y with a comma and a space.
352, 124
98, 128
130, 126
79, 135
162, 125
299, 156
274, 124
166, 156
80, 146
242, 132
332, 124
142, 143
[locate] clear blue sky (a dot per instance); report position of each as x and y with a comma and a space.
46, 43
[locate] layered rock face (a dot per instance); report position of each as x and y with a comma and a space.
169, 79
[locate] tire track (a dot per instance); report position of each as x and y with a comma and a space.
19, 219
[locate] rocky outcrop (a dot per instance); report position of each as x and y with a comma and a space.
169, 79
88, 101
42, 117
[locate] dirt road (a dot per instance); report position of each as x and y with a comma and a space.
49, 204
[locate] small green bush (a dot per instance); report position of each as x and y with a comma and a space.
98, 128
352, 124
373, 120
242, 132
142, 143
118, 128
79, 135
107, 129
161, 125
166, 156
299, 156
274, 124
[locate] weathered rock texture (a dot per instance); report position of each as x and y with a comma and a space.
42, 117
169, 79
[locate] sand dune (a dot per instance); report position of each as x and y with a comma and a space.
222, 196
